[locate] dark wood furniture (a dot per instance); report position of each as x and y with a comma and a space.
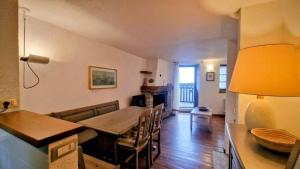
146, 72
245, 153
79, 114
36, 129
113, 125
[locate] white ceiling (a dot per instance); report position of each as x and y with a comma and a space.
177, 30
228, 7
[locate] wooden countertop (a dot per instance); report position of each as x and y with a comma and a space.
37, 129
250, 154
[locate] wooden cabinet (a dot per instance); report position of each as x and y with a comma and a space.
245, 153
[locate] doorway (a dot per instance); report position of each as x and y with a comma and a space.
188, 94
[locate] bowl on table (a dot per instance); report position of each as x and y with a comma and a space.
202, 108
274, 139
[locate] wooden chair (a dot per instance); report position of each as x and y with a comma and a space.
137, 140
88, 162
156, 119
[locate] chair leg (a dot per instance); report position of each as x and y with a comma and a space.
136, 160
150, 149
210, 124
191, 122
158, 142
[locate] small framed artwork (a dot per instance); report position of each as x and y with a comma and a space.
210, 76
102, 78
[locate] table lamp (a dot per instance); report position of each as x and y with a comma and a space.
266, 70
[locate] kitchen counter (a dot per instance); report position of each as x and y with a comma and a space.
37, 129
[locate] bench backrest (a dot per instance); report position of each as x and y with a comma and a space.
83, 113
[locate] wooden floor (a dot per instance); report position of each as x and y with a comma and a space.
183, 149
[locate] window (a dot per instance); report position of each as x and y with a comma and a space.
223, 78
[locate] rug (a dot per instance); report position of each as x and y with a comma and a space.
220, 160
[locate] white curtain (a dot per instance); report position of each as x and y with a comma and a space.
176, 94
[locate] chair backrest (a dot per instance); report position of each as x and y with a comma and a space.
143, 132
156, 117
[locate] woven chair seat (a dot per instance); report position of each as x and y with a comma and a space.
128, 139
128, 142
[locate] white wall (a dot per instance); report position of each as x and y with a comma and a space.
231, 98
231, 106
162, 72
9, 63
209, 90
269, 23
64, 82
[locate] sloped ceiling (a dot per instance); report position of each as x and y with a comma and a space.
177, 30
228, 7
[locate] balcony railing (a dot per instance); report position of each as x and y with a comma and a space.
187, 92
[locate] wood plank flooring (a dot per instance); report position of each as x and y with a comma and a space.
183, 149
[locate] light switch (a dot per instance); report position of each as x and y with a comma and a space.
59, 152
63, 154
72, 146
62, 150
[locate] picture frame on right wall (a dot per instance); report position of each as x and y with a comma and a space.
210, 76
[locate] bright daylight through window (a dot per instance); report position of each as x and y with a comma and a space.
223, 78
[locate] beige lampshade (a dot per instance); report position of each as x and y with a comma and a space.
268, 70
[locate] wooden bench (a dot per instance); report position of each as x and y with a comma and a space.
88, 162
94, 163
79, 114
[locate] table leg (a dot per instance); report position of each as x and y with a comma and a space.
230, 158
191, 121
115, 152
210, 123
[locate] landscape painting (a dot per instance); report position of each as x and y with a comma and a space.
101, 78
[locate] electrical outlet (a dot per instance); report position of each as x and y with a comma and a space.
13, 103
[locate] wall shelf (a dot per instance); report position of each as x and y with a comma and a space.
146, 72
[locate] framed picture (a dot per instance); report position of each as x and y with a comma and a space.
210, 76
102, 78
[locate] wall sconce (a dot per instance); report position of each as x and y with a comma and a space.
31, 58
35, 59
209, 67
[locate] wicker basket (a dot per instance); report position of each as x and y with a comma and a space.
274, 139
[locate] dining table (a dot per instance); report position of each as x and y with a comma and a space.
114, 124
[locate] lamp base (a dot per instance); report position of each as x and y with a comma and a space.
259, 114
